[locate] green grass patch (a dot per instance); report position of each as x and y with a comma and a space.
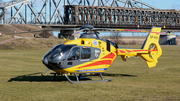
20, 79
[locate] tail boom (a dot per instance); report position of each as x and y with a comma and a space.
150, 50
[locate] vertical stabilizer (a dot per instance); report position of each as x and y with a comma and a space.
152, 45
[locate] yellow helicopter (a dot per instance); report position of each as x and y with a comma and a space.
91, 54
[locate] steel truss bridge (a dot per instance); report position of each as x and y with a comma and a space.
100, 13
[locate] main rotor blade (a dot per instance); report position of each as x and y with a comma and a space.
131, 30
78, 32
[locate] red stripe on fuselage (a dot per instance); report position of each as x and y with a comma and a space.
103, 62
128, 51
144, 50
116, 52
157, 33
122, 51
139, 50
111, 56
136, 51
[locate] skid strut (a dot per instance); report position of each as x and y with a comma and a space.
77, 79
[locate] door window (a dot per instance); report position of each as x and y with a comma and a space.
86, 53
74, 54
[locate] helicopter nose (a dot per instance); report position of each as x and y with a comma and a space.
45, 61
51, 64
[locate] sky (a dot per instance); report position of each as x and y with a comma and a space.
160, 4
163, 4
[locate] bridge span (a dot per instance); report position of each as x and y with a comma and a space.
131, 14
121, 17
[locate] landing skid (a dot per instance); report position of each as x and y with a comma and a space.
77, 79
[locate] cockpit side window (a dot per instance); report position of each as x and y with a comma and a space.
86, 53
75, 54
97, 53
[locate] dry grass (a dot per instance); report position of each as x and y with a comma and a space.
132, 80
178, 40
2, 39
32, 43
9, 31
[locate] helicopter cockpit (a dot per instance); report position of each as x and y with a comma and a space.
60, 52
65, 56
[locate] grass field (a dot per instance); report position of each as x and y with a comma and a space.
20, 79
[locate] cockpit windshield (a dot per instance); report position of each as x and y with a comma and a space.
61, 52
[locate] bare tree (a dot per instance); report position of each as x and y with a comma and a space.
115, 36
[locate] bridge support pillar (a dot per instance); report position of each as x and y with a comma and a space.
71, 18
67, 34
4, 10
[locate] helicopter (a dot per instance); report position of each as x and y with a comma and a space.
90, 54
